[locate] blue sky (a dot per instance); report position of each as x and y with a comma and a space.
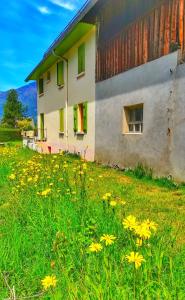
27, 28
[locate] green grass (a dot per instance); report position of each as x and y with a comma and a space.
51, 235
9, 135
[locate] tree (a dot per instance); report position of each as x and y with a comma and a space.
13, 109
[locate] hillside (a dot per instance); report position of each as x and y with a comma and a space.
27, 95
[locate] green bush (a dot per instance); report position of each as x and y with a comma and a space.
9, 135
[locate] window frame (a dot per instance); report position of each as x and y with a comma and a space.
80, 111
81, 60
61, 120
48, 78
127, 122
42, 126
60, 83
80, 118
41, 89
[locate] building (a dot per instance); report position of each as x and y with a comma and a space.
111, 86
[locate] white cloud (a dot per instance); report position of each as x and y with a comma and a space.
44, 10
64, 4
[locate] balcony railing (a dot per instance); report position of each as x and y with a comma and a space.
39, 134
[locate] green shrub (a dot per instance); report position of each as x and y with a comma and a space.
9, 134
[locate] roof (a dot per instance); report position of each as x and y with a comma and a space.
71, 34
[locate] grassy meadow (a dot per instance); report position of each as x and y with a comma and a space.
72, 230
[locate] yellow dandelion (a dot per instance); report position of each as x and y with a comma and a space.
95, 247
122, 202
84, 166
49, 281
46, 192
135, 258
12, 176
108, 239
130, 222
107, 196
113, 203
142, 231
150, 224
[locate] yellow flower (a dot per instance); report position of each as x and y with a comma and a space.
123, 202
12, 176
108, 239
130, 222
113, 203
135, 258
142, 231
84, 166
139, 242
49, 281
95, 247
107, 196
46, 192
29, 179
150, 224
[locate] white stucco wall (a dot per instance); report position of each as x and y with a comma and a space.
80, 90
152, 84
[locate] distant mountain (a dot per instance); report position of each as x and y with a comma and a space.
27, 95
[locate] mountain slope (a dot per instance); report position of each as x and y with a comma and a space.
27, 95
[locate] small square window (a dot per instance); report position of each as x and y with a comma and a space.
133, 119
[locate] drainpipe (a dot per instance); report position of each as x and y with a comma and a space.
67, 96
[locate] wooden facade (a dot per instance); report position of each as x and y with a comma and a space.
140, 38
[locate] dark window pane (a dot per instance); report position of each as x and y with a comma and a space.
137, 127
131, 115
139, 115
131, 127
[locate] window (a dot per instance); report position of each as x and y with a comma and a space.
60, 73
41, 86
80, 118
42, 135
133, 121
81, 59
61, 116
48, 77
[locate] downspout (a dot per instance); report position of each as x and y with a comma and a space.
67, 87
